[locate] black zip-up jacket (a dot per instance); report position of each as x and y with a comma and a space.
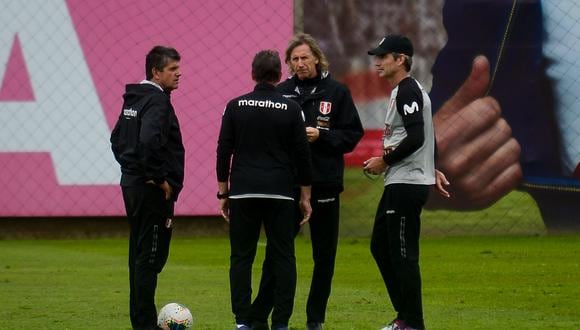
328, 106
263, 137
146, 140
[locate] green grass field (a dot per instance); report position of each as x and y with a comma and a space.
469, 283
494, 268
514, 214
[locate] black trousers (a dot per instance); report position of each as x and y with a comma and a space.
324, 224
147, 211
395, 248
246, 218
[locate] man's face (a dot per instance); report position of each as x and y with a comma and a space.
168, 78
386, 65
303, 62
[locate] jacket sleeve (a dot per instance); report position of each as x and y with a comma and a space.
346, 130
302, 150
153, 137
115, 141
410, 107
225, 147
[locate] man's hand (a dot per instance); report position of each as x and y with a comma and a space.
375, 165
166, 187
475, 145
305, 207
225, 209
312, 134
223, 189
440, 183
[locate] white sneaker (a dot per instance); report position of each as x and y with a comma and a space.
396, 324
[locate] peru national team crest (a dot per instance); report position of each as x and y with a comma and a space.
325, 107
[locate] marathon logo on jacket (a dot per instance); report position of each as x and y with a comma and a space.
325, 107
263, 104
129, 112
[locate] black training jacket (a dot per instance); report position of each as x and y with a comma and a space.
328, 106
146, 140
263, 136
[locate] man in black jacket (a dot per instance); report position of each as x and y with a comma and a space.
333, 128
262, 138
147, 144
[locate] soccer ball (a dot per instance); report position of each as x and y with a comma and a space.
174, 316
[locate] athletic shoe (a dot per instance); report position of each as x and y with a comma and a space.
242, 327
396, 324
279, 327
258, 325
313, 326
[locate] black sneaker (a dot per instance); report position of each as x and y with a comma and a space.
260, 325
313, 326
279, 327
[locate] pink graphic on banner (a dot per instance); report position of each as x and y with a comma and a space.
216, 40
16, 83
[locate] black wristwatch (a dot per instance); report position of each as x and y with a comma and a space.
223, 196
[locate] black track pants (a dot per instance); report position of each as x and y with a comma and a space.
395, 248
147, 211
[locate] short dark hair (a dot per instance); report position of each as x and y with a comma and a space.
266, 66
157, 58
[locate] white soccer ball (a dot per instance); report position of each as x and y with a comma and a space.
174, 316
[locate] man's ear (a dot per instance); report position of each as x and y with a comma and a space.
401, 59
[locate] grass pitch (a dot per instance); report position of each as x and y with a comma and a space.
514, 214
469, 283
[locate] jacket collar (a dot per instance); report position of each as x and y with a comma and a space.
264, 87
311, 81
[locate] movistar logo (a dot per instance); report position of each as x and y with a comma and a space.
129, 112
263, 104
407, 110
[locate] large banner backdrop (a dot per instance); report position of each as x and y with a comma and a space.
504, 82
63, 67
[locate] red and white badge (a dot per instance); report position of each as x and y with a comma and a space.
325, 107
